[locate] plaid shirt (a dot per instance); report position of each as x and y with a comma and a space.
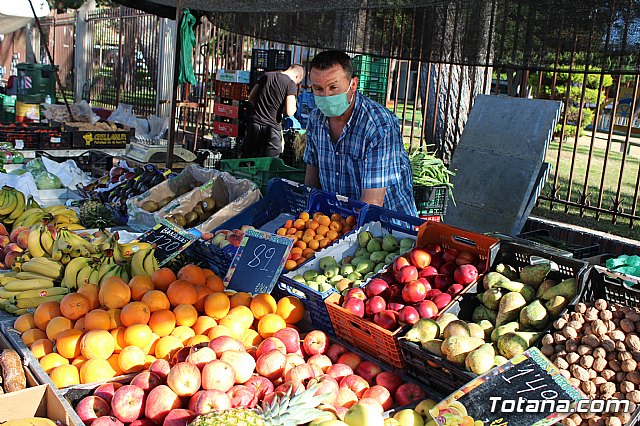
368, 154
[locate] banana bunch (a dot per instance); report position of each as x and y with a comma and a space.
22, 292
64, 217
40, 241
12, 205
121, 252
69, 245
143, 262
80, 271
32, 421
41, 267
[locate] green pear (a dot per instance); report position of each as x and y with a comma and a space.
512, 344
546, 285
493, 279
313, 285
331, 271
480, 360
335, 278
320, 279
365, 266
322, 287
444, 320
556, 305
346, 269
509, 327
528, 292
499, 360
491, 298
567, 288
456, 348
379, 267
310, 275
363, 238
375, 244
434, 346
354, 276
299, 278
390, 243
534, 316
390, 258
507, 270
423, 330
483, 313
534, 275
360, 251
327, 262
378, 256
486, 327
407, 244
510, 306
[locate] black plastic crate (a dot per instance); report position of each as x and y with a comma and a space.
603, 283
431, 200
279, 60
259, 58
256, 74
543, 236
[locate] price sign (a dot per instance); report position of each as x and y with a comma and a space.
258, 262
168, 239
527, 390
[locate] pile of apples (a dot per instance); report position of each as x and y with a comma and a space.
225, 237
418, 285
222, 375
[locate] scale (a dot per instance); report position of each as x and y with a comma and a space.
144, 153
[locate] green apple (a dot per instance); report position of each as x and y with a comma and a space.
409, 417
423, 408
363, 415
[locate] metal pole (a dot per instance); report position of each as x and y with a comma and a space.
55, 71
176, 66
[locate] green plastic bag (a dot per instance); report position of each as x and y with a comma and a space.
187, 42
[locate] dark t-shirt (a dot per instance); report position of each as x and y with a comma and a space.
273, 89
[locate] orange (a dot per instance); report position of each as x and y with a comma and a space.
335, 217
44, 313
91, 292
313, 225
51, 361
269, 324
208, 273
182, 292
97, 344
113, 362
24, 322
114, 318
96, 370
162, 322
79, 325
138, 334
65, 375
79, 361
304, 216
56, 326
203, 324
151, 347
118, 339
183, 333
131, 359
198, 338
214, 283
251, 339
156, 300
243, 315
31, 335
193, 274
185, 315
290, 264
263, 304
240, 298
41, 347
202, 293
68, 343
236, 328
162, 278
114, 293
135, 313
98, 319
74, 306
139, 285
167, 346
291, 309
216, 305
217, 331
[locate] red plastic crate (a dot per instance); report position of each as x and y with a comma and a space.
223, 110
235, 91
226, 129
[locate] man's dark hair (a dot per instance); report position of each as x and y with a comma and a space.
329, 58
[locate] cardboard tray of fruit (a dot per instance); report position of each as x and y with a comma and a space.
141, 215
538, 303
371, 318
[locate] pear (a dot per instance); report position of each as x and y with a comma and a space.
491, 298
555, 305
360, 251
424, 330
390, 243
475, 330
374, 245
356, 261
346, 269
483, 313
331, 271
407, 244
299, 278
322, 287
354, 276
321, 279
510, 306
487, 328
327, 262
456, 328
534, 275
363, 238
346, 261
509, 327
456, 348
336, 278
365, 267
534, 316
313, 285
507, 270
310, 275
378, 256
528, 292
434, 346
390, 258
363, 414
499, 360
379, 267
546, 285
493, 279
480, 360
445, 319
567, 288
512, 344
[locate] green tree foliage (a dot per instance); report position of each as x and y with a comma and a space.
62, 5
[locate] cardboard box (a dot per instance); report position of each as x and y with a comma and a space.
37, 401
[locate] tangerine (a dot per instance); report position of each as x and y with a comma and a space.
98, 319
291, 309
269, 324
251, 339
215, 283
183, 333
24, 322
31, 335
114, 293
243, 315
217, 331
91, 292
97, 344
139, 335
202, 292
96, 370
240, 298
131, 359
79, 325
203, 324
217, 305
56, 326
151, 347
197, 339
51, 361
186, 315
193, 274
41, 347
263, 304
114, 318
65, 375
118, 339
167, 346
182, 292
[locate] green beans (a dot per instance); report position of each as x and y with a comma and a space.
430, 171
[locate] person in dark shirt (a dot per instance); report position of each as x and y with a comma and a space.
272, 97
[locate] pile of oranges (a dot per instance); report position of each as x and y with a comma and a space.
313, 233
118, 328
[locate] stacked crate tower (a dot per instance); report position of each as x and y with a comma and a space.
373, 74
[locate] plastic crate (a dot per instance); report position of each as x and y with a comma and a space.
370, 85
313, 300
233, 130
260, 58
279, 60
431, 200
261, 170
363, 65
256, 74
22, 139
542, 236
234, 91
382, 343
445, 376
603, 283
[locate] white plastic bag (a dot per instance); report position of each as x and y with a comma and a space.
68, 172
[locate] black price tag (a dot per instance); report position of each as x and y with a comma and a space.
169, 240
527, 390
258, 262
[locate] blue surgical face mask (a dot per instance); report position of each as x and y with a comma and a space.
334, 105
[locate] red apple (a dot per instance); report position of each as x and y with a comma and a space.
23, 239
261, 385
390, 381
408, 315
315, 342
408, 393
322, 361
400, 263
146, 380
192, 401
356, 383
465, 258
380, 394
91, 407
450, 255
107, 421
442, 282
432, 293
128, 403
225, 343
427, 309
448, 268
395, 306
386, 319
339, 371
288, 387
341, 411
243, 364
292, 361
269, 344
368, 370
327, 385
184, 379
465, 274
426, 282
334, 351
414, 292
179, 417
160, 402
290, 337
428, 272
395, 292
356, 292
442, 300
419, 258
161, 368
351, 359
481, 266
406, 274
373, 404
300, 373
211, 400
13, 236
436, 260
354, 306
376, 287
107, 390
455, 289
374, 305
180, 355
219, 375
242, 396
389, 276
201, 356
346, 398
433, 249
271, 364
142, 422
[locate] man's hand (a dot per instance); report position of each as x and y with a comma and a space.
291, 106
373, 196
312, 176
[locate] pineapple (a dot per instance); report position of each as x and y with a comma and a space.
294, 408
94, 214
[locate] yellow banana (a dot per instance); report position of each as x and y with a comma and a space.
33, 219
33, 242
149, 265
32, 284
137, 263
26, 215
74, 227
65, 259
5, 294
32, 421
46, 267
54, 210
17, 211
55, 291
5, 279
71, 271
95, 277
34, 302
129, 249
10, 307
9, 204
46, 240
110, 270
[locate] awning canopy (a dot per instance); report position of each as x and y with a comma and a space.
15, 14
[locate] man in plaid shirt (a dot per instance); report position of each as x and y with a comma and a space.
354, 145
